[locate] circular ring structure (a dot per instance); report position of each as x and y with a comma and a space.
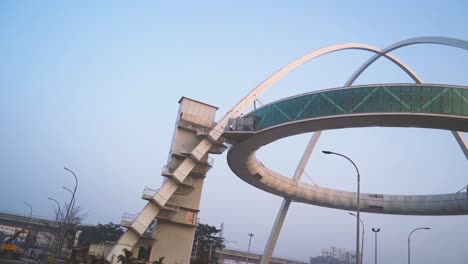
386, 105
438, 107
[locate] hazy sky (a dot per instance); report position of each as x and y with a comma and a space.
94, 86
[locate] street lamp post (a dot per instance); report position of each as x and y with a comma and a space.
30, 211
409, 241
357, 200
250, 240
72, 202
375, 230
248, 249
56, 218
66, 220
68, 210
29, 220
76, 183
362, 236
58, 208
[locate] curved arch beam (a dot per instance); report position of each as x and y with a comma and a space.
265, 85
278, 75
451, 42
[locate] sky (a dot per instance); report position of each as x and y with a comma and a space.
93, 86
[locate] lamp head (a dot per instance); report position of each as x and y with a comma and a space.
375, 229
326, 152
427, 228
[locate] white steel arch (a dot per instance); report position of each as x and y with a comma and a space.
451, 42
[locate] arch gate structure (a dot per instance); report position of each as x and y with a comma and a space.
167, 223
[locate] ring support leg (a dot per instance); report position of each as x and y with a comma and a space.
461, 142
275, 231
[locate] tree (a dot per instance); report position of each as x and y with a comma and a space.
126, 257
68, 225
205, 244
99, 233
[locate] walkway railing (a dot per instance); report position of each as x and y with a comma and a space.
371, 99
127, 219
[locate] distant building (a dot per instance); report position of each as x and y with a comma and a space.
11, 230
334, 255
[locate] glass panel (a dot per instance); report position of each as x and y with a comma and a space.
426, 100
396, 98
416, 98
326, 105
386, 100
405, 96
397, 105
436, 103
465, 102
457, 101
446, 102
358, 100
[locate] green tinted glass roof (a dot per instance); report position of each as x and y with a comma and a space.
392, 98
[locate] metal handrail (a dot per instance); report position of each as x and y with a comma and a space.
203, 131
191, 182
194, 119
240, 124
172, 206
187, 148
129, 217
150, 192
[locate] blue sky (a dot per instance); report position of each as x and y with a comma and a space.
94, 87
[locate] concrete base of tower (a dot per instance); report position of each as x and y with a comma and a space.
126, 241
174, 243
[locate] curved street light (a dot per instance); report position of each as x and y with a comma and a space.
76, 183
56, 219
30, 211
357, 200
362, 238
72, 201
28, 225
250, 240
58, 207
409, 238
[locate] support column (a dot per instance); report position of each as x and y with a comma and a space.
461, 142
276, 229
